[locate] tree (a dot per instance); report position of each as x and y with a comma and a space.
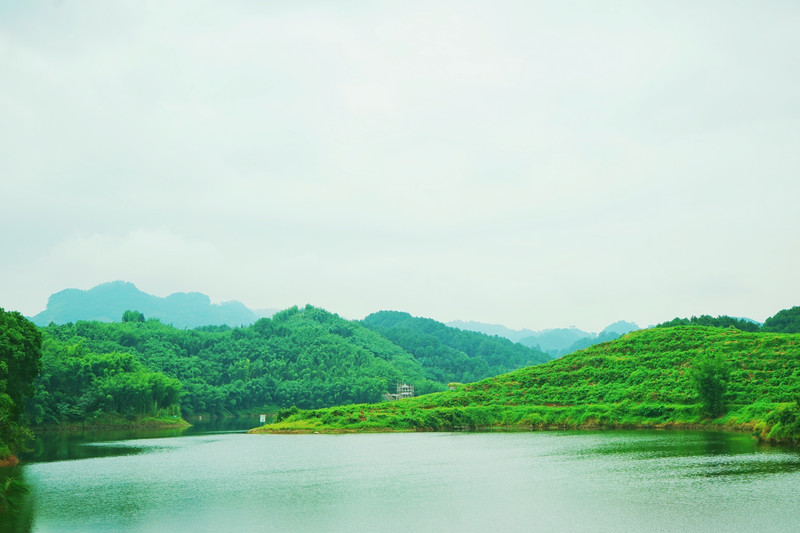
709, 376
20, 363
132, 316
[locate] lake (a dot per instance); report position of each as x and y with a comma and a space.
208, 479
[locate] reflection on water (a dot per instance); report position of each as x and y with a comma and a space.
222, 425
703, 454
649, 444
215, 480
82, 444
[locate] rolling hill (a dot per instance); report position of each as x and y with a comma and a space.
646, 378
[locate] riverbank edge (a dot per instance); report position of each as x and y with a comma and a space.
750, 427
116, 423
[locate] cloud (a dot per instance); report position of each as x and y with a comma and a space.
530, 163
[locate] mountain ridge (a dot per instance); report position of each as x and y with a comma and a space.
554, 341
108, 301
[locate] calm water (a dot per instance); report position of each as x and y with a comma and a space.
561, 481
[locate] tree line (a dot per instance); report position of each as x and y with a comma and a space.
307, 357
785, 321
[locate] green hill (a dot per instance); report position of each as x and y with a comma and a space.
308, 358
303, 357
785, 321
655, 378
450, 354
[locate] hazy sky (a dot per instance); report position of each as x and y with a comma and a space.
534, 164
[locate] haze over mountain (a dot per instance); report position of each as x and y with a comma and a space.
514, 335
557, 341
106, 303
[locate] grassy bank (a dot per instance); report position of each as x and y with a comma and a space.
643, 380
107, 421
759, 419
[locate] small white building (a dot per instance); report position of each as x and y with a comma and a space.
404, 390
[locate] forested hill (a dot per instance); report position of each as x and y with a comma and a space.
304, 357
107, 302
451, 354
656, 377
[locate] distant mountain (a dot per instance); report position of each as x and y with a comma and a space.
581, 344
107, 302
514, 335
556, 342
620, 327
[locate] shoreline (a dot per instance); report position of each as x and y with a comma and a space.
113, 424
670, 426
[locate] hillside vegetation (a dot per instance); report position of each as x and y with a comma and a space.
659, 377
722, 321
20, 362
308, 358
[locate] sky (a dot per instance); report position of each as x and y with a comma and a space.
525, 163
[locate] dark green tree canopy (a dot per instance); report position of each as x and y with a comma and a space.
786, 321
132, 316
305, 357
722, 321
709, 376
20, 363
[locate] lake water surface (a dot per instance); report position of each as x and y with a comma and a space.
637, 481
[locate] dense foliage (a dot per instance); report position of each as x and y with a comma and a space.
786, 321
308, 358
643, 378
20, 362
709, 375
77, 385
722, 321
450, 354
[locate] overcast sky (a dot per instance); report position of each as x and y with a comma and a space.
533, 164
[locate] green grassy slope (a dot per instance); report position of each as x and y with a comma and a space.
641, 379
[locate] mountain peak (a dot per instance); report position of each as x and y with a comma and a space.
106, 303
